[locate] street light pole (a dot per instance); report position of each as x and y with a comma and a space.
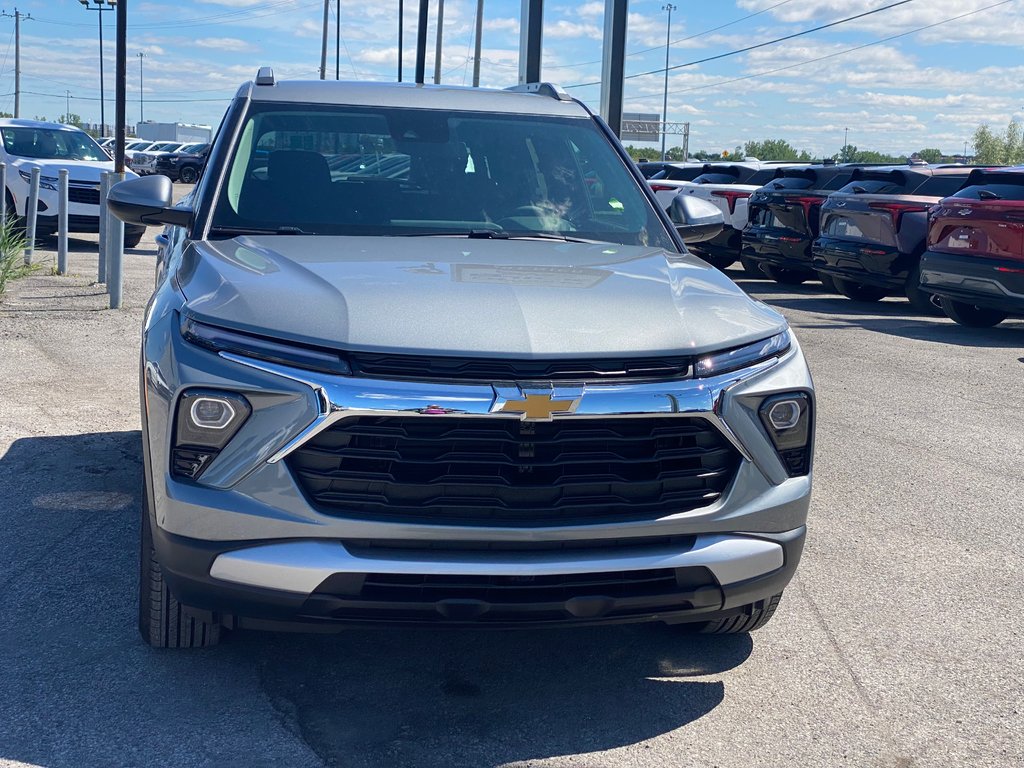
664, 103
142, 114
846, 144
101, 6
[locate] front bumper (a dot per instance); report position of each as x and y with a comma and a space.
79, 223
247, 542
320, 583
991, 283
871, 264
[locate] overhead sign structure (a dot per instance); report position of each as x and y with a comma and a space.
640, 126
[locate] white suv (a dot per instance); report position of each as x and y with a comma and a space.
28, 144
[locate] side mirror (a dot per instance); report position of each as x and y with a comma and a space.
147, 200
695, 220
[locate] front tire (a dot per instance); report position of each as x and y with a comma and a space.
752, 617
971, 315
188, 175
163, 622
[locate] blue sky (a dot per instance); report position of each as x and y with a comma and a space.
926, 89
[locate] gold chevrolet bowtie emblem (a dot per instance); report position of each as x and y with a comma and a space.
539, 407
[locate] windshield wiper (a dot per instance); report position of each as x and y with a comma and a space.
255, 231
491, 234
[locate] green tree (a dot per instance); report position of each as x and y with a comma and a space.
931, 155
989, 148
71, 119
774, 149
1005, 148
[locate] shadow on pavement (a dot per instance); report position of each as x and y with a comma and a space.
80, 688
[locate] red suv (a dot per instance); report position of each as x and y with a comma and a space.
975, 258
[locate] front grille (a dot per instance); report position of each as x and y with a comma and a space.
492, 472
83, 195
423, 367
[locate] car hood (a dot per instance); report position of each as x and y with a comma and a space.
78, 170
457, 296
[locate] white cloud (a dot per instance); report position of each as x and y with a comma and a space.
223, 43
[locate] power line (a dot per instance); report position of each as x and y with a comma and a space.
758, 45
684, 39
830, 55
217, 18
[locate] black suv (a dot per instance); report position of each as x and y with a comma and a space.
783, 222
873, 231
183, 166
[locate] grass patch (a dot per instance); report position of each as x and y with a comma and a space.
12, 254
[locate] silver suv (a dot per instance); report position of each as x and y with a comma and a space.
435, 355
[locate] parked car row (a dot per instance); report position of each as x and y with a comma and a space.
179, 161
868, 232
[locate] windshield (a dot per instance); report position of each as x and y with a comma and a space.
51, 144
195, 149
387, 171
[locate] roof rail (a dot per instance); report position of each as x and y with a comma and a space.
265, 76
544, 89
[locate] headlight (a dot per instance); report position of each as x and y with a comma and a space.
295, 355
172, 159
788, 419
45, 182
741, 357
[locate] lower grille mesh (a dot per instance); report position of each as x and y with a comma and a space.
490, 472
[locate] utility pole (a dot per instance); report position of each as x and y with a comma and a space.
323, 42
142, 114
101, 7
337, 43
846, 144
664, 103
479, 37
437, 48
401, 20
17, 16
686, 142
67, 106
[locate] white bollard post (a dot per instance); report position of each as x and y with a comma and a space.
3, 197
62, 221
115, 251
31, 211
101, 273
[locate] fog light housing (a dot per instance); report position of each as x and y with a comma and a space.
788, 419
206, 422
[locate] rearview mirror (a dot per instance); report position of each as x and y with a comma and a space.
695, 220
147, 200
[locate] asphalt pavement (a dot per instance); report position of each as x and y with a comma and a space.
898, 644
